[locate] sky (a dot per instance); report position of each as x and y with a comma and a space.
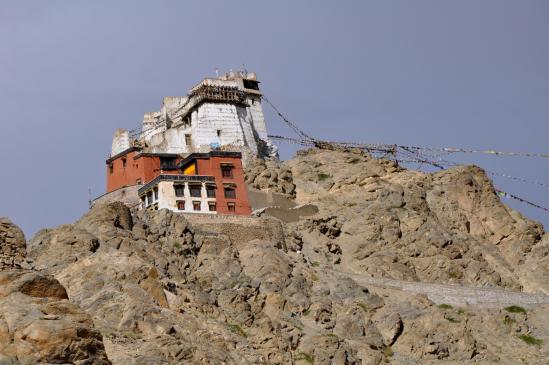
462, 73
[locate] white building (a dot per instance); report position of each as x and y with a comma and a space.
224, 111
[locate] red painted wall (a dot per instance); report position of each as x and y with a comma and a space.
137, 167
212, 167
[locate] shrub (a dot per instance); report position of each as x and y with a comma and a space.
307, 357
322, 176
452, 319
444, 306
363, 306
236, 329
530, 340
515, 309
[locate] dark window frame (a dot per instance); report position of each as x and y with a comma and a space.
210, 191
195, 191
195, 205
181, 188
229, 192
227, 171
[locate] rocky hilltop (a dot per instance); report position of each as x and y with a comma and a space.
394, 267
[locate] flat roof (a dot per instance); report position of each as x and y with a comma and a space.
207, 155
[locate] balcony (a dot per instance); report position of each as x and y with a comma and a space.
177, 178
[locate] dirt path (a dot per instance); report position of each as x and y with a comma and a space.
452, 294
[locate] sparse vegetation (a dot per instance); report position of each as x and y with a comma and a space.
236, 329
332, 335
305, 356
530, 340
444, 306
452, 319
508, 321
306, 312
515, 309
388, 354
363, 306
322, 176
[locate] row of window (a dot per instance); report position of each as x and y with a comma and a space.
212, 207
195, 191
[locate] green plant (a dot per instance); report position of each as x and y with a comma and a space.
331, 335
515, 309
451, 319
388, 353
236, 329
454, 275
530, 340
363, 306
305, 356
315, 263
323, 176
444, 306
306, 312
508, 321
461, 311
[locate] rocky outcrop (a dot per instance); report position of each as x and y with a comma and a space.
12, 244
446, 227
38, 324
271, 175
163, 289
166, 288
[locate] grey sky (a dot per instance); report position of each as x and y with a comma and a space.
436, 73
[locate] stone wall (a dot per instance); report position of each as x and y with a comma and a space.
239, 229
127, 195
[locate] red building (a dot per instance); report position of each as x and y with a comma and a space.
210, 182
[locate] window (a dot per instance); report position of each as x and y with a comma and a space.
219, 132
179, 190
181, 204
227, 170
155, 194
124, 163
168, 163
251, 84
196, 205
231, 207
212, 207
111, 168
210, 191
230, 192
138, 182
188, 140
187, 120
143, 201
195, 190
149, 198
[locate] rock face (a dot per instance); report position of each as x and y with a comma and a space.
166, 288
384, 221
38, 324
12, 244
